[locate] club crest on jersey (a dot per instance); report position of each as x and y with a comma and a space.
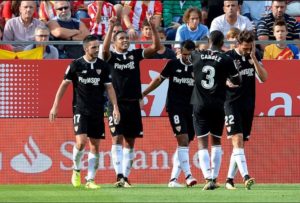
112, 129
131, 57
75, 128
84, 72
178, 128
98, 71
178, 71
228, 129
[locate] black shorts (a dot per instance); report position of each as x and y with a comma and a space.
92, 125
130, 124
209, 119
181, 120
238, 119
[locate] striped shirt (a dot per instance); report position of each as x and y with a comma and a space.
265, 27
139, 9
106, 13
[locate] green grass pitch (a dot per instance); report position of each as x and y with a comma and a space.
148, 193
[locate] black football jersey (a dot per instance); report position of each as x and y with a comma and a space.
88, 80
246, 91
211, 70
125, 72
181, 82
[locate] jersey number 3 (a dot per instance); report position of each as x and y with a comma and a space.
210, 74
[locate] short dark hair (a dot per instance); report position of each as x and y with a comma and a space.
245, 36
279, 23
280, 1
88, 39
117, 33
145, 23
188, 45
216, 38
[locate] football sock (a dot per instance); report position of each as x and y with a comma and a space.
240, 159
117, 158
77, 155
232, 167
128, 156
216, 159
204, 161
176, 167
93, 163
183, 157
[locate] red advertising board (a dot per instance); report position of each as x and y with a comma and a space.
33, 150
27, 88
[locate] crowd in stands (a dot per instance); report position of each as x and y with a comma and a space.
176, 20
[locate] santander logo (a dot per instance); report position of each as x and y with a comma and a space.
32, 160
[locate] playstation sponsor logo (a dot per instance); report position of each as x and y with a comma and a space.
32, 160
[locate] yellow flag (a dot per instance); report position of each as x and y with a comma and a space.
36, 53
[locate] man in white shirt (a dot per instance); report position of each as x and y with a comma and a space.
230, 19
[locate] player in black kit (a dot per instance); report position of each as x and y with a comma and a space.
125, 71
240, 104
211, 69
90, 77
180, 111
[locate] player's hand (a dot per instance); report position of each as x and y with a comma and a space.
52, 114
116, 116
132, 34
252, 53
230, 84
112, 21
150, 18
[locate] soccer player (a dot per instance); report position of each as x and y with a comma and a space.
240, 104
180, 111
126, 80
90, 77
211, 70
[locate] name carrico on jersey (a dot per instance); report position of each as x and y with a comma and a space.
94, 81
129, 66
210, 57
188, 81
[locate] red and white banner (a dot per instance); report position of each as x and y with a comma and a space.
28, 87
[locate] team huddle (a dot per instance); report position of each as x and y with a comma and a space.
207, 90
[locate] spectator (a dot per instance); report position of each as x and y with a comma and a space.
66, 28
172, 14
230, 19
22, 28
203, 46
42, 34
146, 35
191, 29
164, 52
255, 10
100, 13
2, 19
281, 50
47, 11
6, 47
11, 10
265, 26
134, 14
232, 35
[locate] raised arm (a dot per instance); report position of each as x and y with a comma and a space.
107, 39
151, 50
259, 68
59, 95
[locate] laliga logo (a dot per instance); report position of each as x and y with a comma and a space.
32, 161
160, 95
